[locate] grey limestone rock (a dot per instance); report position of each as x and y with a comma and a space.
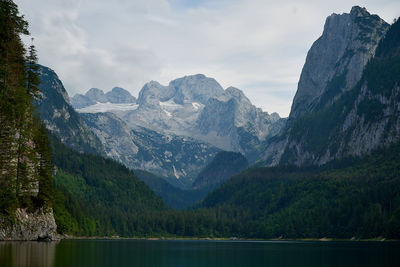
37, 226
334, 65
117, 95
335, 62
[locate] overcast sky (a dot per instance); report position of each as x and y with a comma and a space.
258, 46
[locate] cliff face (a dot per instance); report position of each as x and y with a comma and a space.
37, 226
336, 60
61, 119
329, 118
175, 157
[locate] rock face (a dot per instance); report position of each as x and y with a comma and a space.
336, 60
37, 226
61, 119
362, 115
231, 122
117, 95
174, 157
194, 112
197, 106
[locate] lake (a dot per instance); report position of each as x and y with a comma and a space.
143, 253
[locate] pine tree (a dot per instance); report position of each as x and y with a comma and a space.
24, 158
32, 69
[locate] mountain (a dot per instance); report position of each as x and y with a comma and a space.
222, 167
176, 158
197, 106
117, 95
337, 59
60, 118
346, 147
175, 130
326, 120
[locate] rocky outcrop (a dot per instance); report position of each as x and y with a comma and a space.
61, 119
117, 95
231, 122
176, 158
334, 67
197, 106
194, 112
336, 60
37, 226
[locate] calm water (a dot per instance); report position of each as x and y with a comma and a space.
198, 253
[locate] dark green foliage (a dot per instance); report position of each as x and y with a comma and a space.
174, 197
100, 196
223, 166
361, 200
383, 72
318, 130
390, 44
371, 109
333, 89
25, 180
32, 72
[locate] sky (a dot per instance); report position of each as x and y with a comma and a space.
258, 46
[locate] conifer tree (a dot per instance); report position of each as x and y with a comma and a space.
24, 156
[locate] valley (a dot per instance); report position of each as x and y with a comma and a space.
193, 159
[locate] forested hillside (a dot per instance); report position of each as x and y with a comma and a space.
98, 196
360, 200
24, 156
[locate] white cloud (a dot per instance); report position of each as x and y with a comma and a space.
256, 45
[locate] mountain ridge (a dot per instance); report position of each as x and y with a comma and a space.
331, 71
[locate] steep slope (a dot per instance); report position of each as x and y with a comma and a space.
25, 172
222, 167
199, 108
100, 196
231, 122
60, 118
173, 108
175, 130
366, 117
174, 157
334, 65
336, 60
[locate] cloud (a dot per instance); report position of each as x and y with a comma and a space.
256, 45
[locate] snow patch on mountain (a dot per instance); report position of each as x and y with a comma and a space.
108, 107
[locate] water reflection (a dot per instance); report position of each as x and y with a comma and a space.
41, 254
143, 253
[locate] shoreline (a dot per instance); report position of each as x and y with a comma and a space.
232, 239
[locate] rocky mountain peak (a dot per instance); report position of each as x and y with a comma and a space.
195, 88
119, 95
153, 92
96, 94
335, 62
357, 11
237, 94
